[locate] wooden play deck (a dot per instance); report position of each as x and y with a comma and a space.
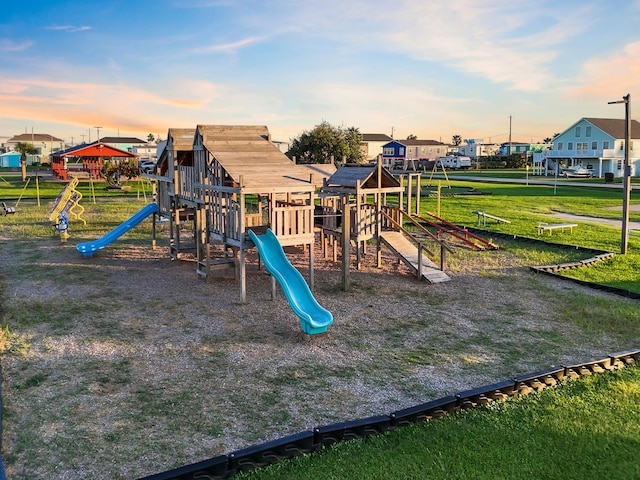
408, 253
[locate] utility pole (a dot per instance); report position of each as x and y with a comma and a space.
509, 134
98, 129
626, 179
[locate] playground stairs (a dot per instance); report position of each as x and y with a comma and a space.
406, 251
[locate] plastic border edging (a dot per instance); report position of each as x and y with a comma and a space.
261, 455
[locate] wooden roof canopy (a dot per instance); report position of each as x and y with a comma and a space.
348, 177
246, 151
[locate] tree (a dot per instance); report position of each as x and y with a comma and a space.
25, 149
150, 138
325, 141
412, 137
456, 140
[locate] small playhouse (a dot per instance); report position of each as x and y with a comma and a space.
218, 181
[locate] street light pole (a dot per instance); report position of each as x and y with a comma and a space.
626, 179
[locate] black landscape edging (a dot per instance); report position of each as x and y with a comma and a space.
261, 455
599, 255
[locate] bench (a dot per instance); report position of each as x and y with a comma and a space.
8, 210
482, 217
543, 227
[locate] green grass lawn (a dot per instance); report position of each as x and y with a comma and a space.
525, 206
584, 429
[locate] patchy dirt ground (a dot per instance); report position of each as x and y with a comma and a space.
126, 363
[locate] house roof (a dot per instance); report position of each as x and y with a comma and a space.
376, 137
33, 137
121, 140
95, 150
615, 127
414, 143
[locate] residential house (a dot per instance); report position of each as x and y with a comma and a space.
123, 143
410, 151
148, 151
593, 143
373, 143
476, 149
507, 148
44, 145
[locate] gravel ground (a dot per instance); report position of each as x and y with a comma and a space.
126, 363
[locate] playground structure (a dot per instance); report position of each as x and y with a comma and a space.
227, 189
216, 182
66, 203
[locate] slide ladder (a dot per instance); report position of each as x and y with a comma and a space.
313, 318
88, 248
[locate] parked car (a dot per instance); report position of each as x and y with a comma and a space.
146, 166
577, 172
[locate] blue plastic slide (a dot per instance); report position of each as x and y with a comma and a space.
88, 248
313, 318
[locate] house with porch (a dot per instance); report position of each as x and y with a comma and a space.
596, 144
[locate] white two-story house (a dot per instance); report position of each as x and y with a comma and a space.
596, 144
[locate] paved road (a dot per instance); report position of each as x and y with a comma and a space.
534, 181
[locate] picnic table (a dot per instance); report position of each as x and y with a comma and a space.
544, 227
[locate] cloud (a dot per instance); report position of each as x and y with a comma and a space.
511, 42
68, 28
7, 46
618, 72
127, 107
230, 47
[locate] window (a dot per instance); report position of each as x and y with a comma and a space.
581, 147
621, 145
387, 151
587, 132
630, 144
605, 144
401, 152
577, 131
560, 145
619, 164
570, 146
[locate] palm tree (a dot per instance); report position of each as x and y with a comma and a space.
25, 149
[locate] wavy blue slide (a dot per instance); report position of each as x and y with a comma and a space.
313, 318
88, 248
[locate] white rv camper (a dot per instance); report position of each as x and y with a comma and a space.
454, 162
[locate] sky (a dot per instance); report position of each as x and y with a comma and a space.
475, 68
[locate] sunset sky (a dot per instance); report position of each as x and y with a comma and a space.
431, 69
